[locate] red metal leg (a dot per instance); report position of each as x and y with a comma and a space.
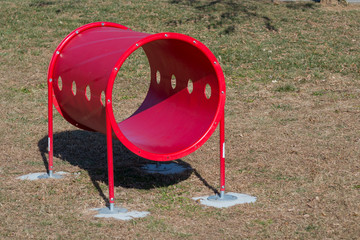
222, 155
110, 159
50, 126
223, 196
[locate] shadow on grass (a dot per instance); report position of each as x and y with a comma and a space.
222, 14
303, 6
87, 150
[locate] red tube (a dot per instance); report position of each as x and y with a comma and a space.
170, 123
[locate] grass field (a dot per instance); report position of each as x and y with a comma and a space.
292, 113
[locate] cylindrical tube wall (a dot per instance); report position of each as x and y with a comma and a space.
174, 119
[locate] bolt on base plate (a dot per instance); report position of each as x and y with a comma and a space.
118, 213
164, 168
222, 197
42, 175
227, 200
53, 175
114, 210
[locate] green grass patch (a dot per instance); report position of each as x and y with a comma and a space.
318, 93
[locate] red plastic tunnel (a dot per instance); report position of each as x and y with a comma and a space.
171, 122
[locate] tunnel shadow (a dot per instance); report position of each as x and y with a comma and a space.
87, 150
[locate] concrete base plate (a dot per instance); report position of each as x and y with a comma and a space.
37, 176
119, 213
164, 168
226, 197
230, 199
107, 210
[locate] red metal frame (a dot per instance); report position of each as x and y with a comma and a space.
105, 122
50, 125
110, 157
222, 153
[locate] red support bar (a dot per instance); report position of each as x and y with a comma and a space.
50, 126
110, 157
222, 154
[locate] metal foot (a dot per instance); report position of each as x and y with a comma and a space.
37, 176
118, 213
222, 197
50, 175
111, 210
223, 200
164, 168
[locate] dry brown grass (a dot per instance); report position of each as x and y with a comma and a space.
297, 150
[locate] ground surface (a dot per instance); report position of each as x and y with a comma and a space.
292, 113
